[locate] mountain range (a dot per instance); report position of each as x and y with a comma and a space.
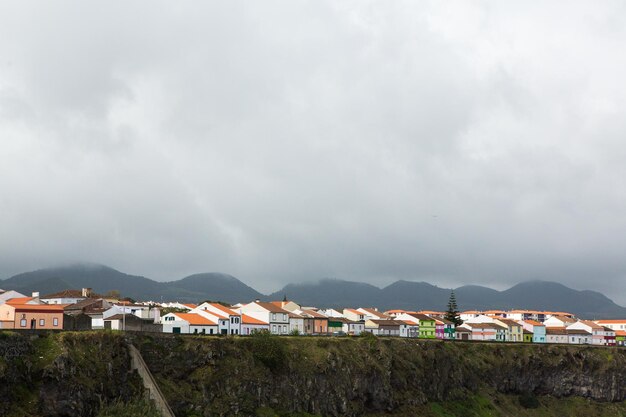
410, 295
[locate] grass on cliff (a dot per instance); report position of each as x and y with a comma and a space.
493, 404
139, 407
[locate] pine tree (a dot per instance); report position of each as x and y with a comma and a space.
452, 314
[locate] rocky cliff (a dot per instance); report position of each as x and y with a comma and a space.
64, 374
77, 374
360, 376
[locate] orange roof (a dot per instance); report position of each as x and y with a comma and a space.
196, 319
224, 309
191, 306
351, 310
620, 332
428, 312
411, 323
395, 311
251, 320
591, 324
611, 321
39, 307
20, 300
533, 322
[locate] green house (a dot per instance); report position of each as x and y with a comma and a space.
449, 330
528, 336
427, 326
334, 325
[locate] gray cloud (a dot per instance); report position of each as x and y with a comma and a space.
280, 142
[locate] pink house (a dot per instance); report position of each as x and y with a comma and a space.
439, 329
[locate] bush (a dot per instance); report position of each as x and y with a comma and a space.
141, 407
528, 400
294, 332
268, 349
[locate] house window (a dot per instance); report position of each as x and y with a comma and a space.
284, 329
55, 321
42, 322
273, 328
23, 323
273, 316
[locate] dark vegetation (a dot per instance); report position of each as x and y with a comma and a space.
87, 374
370, 376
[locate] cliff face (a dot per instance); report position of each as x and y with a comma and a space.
75, 374
67, 374
352, 377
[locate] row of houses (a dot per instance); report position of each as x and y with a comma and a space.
556, 329
83, 309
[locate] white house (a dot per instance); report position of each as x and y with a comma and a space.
350, 327
596, 331
612, 324
383, 327
579, 336
373, 314
67, 296
331, 312
469, 314
480, 318
229, 321
556, 335
296, 323
277, 318
353, 315
176, 304
287, 305
558, 321
139, 310
7, 295
409, 328
251, 325
188, 323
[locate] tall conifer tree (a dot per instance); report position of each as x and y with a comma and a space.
452, 314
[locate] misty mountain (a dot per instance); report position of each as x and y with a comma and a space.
410, 295
101, 279
539, 295
98, 277
208, 286
333, 292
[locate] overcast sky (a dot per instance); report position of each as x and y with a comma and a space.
287, 141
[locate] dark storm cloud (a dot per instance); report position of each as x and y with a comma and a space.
288, 141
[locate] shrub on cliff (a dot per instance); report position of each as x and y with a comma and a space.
528, 400
268, 349
140, 407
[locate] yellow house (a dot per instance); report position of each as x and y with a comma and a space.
515, 331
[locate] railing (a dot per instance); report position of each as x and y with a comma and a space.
149, 382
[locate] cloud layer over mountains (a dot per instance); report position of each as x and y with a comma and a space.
287, 141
